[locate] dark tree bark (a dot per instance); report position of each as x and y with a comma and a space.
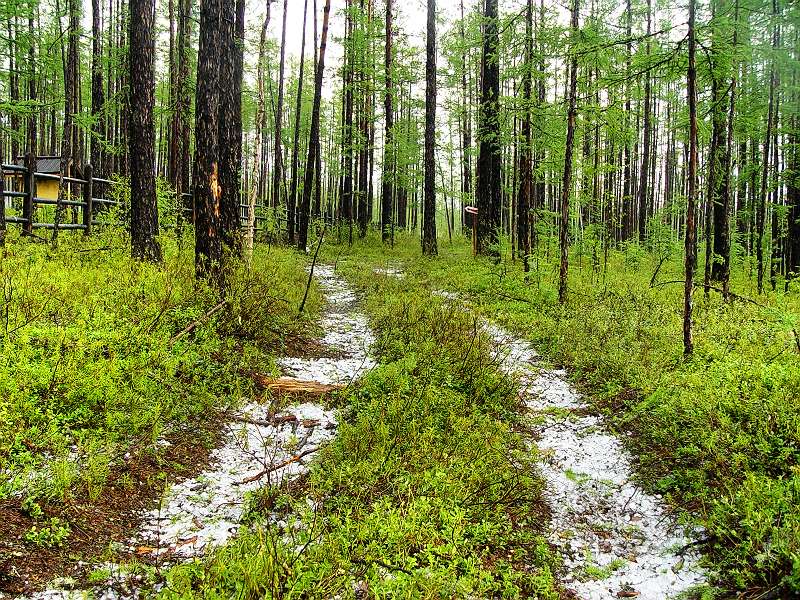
626, 218
277, 171
365, 110
231, 65
466, 125
524, 195
97, 159
429, 207
141, 134
292, 199
68, 140
793, 183
207, 188
389, 174
761, 216
690, 240
313, 146
566, 184
490, 152
32, 143
721, 269
644, 187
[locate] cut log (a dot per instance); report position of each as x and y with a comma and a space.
290, 385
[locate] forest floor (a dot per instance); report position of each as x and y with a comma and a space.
455, 462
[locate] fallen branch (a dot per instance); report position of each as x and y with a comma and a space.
311, 272
290, 385
267, 423
273, 468
191, 327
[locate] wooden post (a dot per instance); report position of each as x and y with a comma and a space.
88, 208
30, 192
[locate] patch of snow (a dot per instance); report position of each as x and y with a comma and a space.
613, 536
390, 271
201, 513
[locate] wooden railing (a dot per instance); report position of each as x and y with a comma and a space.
88, 203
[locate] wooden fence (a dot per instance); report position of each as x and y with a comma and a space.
88, 204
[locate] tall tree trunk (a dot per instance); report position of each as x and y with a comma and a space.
644, 184
721, 269
313, 146
389, 174
429, 207
292, 199
277, 171
207, 188
466, 127
489, 134
231, 68
762, 201
32, 145
690, 240
526, 159
98, 100
793, 183
261, 109
68, 141
626, 219
566, 184
141, 134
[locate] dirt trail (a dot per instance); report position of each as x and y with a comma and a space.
616, 540
203, 512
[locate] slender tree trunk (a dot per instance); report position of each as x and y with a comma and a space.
68, 141
526, 159
626, 218
762, 206
644, 184
691, 231
292, 199
313, 146
207, 188
388, 147
258, 158
277, 171
489, 134
566, 184
98, 101
429, 207
141, 134
32, 145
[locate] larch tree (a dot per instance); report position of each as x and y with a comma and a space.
207, 188
277, 171
314, 144
387, 191
566, 183
524, 194
429, 247
690, 239
141, 132
489, 135
298, 110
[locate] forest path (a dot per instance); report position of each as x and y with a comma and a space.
203, 512
616, 540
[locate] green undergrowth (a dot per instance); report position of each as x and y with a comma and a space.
426, 491
97, 356
718, 435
